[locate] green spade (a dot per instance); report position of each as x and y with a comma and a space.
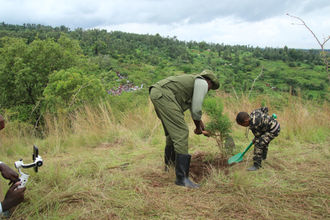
239, 157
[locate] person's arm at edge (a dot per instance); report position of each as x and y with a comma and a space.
13, 197
2, 122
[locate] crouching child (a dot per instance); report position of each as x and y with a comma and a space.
264, 127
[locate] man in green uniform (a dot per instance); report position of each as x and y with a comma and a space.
171, 97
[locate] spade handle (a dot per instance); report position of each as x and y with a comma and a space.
247, 148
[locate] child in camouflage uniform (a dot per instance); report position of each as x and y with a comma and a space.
264, 127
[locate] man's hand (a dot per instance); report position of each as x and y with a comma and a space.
199, 127
14, 196
8, 173
198, 131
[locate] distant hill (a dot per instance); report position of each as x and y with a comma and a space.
145, 59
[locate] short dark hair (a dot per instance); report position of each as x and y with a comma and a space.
241, 117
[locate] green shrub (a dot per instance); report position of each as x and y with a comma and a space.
69, 89
219, 125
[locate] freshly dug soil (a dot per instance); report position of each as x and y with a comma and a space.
200, 167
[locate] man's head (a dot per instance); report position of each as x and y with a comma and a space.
211, 79
243, 119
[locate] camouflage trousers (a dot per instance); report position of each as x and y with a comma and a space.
261, 146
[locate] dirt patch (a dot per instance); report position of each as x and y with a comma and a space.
201, 166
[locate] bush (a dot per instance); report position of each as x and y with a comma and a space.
69, 89
219, 125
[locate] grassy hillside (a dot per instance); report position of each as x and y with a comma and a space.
103, 152
100, 163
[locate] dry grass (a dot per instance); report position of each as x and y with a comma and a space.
99, 165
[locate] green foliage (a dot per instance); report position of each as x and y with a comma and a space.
219, 125
23, 113
25, 69
29, 53
71, 88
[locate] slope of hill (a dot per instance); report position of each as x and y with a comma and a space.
103, 152
107, 165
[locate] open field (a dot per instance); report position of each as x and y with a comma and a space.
106, 165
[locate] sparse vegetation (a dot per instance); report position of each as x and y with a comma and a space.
98, 166
103, 154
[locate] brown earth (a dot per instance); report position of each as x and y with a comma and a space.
201, 166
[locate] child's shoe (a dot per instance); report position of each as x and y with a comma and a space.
255, 167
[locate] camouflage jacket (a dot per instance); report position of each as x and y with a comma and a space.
261, 122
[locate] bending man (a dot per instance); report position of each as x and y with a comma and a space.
171, 97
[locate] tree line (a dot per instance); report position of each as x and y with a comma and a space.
46, 69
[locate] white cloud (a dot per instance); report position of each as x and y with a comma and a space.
273, 32
254, 22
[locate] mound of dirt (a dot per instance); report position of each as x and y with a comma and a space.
201, 167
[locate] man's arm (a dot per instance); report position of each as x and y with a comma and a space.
200, 90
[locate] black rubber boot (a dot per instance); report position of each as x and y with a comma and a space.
169, 157
182, 171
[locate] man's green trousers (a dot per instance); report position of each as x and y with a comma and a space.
171, 114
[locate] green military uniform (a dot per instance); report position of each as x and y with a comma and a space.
171, 98
265, 128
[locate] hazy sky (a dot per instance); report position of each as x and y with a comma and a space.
262, 23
